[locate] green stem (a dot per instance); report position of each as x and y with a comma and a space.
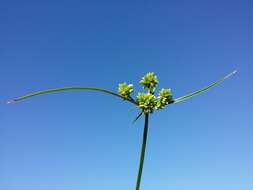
143, 148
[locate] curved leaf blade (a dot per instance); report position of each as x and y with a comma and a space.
200, 91
66, 89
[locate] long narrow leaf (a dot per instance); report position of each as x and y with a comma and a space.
68, 88
182, 98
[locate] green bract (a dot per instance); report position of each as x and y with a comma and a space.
149, 82
147, 102
125, 89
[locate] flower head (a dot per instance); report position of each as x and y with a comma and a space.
165, 97
149, 82
147, 102
125, 89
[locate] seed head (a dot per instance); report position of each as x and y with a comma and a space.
147, 102
125, 89
149, 82
164, 98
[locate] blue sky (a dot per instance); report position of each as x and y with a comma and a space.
85, 140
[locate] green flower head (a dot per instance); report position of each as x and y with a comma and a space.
149, 82
125, 89
147, 102
165, 97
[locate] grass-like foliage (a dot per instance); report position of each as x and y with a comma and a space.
147, 102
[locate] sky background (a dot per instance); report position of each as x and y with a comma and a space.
84, 140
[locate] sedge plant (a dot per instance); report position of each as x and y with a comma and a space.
146, 102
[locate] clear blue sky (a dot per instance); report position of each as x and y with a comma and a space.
85, 140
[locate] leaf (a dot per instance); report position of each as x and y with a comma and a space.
68, 88
138, 116
182, 98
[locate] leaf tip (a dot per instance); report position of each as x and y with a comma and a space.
10, 102
231, 74
235, 71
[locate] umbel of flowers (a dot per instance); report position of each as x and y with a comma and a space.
147, 101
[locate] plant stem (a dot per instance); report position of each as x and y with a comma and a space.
143, 148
